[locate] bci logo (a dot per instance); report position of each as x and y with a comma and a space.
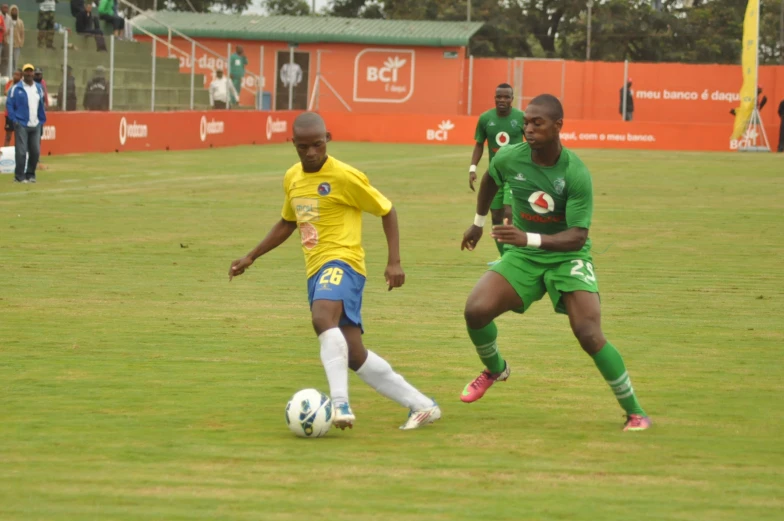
388, 73
442, 134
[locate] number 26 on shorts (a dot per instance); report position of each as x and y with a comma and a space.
331, 276
577, 270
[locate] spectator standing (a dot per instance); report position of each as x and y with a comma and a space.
629, 102
88, 24
106, 12
26, 111
39, 78
9, 125
781, 127
96, 93
70, 95
5, 55
3, 35
222, 91
46, 23
18, 29
237, 63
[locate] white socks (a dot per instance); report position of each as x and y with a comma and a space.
334, 356
375, 372
378, 374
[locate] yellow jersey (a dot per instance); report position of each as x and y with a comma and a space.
327, 206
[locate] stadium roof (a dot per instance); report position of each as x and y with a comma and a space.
312, 29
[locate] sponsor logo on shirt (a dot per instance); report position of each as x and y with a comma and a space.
309, 235
541, 202
520, 177
442, 134
502, 138
324, 189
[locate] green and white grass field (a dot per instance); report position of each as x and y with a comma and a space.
137, 383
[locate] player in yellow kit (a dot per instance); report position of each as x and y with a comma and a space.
325, 199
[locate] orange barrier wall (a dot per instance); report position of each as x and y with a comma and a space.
663, 92
422, 79
82, 132
459, 130
437, 80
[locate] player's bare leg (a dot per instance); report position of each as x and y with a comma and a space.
491, 297
584, 312
334, 356
378, 374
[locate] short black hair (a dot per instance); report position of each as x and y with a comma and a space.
551, 104
309, 120
505, 86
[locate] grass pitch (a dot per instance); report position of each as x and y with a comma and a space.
137, 383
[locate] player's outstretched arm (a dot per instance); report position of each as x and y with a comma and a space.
572, 239
487, 190
393, 274
281, 231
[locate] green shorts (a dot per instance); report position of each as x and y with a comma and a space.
531, 278
503, 197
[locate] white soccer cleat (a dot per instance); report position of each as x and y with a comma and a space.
344, 417
422, 417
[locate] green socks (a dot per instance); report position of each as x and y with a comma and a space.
609, 362
486, 347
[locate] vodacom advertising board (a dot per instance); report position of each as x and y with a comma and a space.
114, 132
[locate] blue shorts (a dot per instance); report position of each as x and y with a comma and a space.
336, 280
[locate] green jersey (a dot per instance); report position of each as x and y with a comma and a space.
237, 65
546, 200
499, 131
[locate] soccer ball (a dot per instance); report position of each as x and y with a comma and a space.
309, 413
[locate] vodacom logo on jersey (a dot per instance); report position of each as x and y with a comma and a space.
502, 139
542, 203
131, 130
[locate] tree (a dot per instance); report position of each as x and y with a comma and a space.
286, 7
355, 9
200, 6
689, 31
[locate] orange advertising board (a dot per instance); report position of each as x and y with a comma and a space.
459, 130
428, 80
368, 79
83, 132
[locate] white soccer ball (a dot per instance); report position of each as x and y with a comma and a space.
309, 413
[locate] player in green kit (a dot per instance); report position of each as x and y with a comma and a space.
500, 126
548, 252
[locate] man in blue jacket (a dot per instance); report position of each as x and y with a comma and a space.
26, 110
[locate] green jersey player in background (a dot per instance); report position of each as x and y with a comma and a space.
548, 253
500, 126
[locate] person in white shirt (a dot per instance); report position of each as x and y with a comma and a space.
220, 88
26, 111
